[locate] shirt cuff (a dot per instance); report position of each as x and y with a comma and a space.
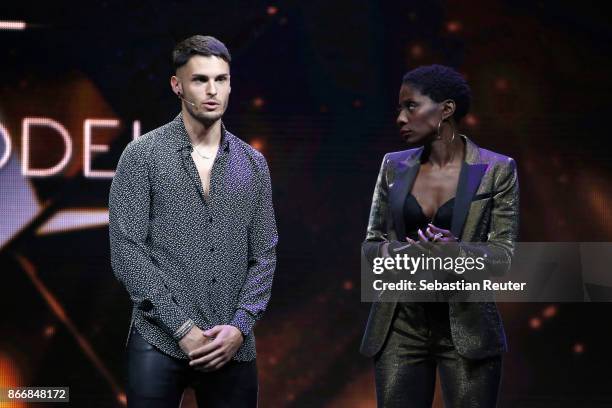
243, 321
183, 330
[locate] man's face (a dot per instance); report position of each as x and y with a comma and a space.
204, 81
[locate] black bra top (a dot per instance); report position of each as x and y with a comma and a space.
414, 218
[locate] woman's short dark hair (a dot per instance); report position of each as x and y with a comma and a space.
440, 82
204, 45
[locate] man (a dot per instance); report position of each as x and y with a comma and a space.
193, 240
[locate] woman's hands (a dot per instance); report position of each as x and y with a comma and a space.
430, 237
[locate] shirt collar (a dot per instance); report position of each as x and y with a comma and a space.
181, 138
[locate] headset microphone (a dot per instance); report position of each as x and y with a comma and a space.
188, 101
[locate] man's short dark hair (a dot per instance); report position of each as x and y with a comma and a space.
204, 45
440, 82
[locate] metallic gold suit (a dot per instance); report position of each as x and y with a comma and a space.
486, 210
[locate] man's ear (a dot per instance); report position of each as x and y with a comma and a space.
175, 85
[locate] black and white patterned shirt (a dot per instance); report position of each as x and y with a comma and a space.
185, 258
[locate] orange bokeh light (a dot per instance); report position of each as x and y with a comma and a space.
549, 311
416, 51
535, 323
9, 377
471, 120
578, 348
453, 26
122, 398
257, 144
49, 331
258, 102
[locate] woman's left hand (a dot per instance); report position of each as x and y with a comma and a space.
435, 234
431, 236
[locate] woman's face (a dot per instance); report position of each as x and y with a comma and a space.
418, 115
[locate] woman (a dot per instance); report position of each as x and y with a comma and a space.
447, 190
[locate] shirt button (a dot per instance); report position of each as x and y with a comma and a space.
145, 305
212, 249
214, 280
210, 220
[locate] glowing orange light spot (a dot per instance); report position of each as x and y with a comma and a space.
550, 311
49, 331
122, 398
578, 348
9, 377
453, 26
272, 10
471, 120
535, 323
416, 51
347, 285
257, 144
357, 103
258, 102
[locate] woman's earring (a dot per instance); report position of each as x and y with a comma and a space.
440, 136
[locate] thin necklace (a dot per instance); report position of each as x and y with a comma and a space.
195, 147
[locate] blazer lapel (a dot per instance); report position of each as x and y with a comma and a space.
469, 180
405, 175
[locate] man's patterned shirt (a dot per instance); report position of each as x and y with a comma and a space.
185, 258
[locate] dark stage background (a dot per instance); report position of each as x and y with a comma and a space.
314, 87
